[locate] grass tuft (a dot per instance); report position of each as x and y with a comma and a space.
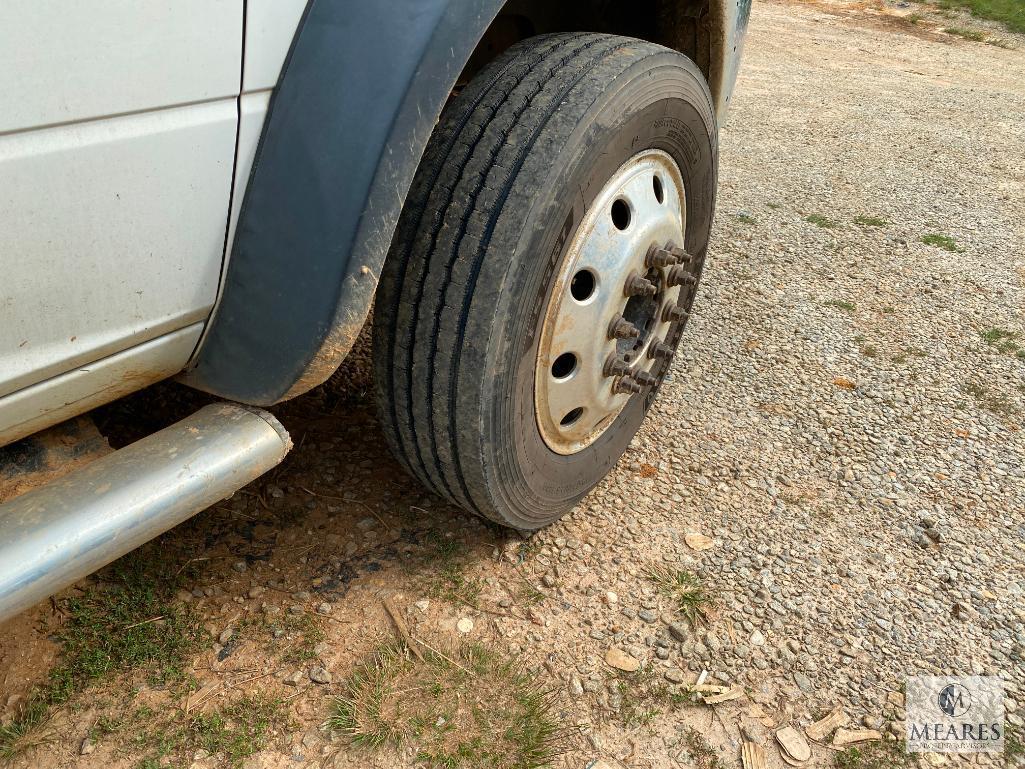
448, 580
945, 242
1004, 341
128, 622
995, 403
841, 304
702, 753
231, 733
1014, 745
968, 34
1011, 13
474, 708
874, 755
685, 590
821, 221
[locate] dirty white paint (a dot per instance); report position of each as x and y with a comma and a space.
117, 140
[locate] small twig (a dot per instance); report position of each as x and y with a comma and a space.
144, 622
442, 655
234, 512
373, 513
233, 684
400, 625
324, 616
348, 501
185, 565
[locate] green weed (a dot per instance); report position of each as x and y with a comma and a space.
841, 304
127, 622
821, 221
684, 589
945, 242
474, 708
1010, 13
871, 221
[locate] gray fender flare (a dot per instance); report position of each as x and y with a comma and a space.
357, 99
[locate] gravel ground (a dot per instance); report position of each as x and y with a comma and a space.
844, 426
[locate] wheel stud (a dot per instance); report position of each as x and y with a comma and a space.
645, 378
682, 256
615, 366
621, 328
673, 312
626, 384
680, 276
660, 257
636, 285
660, 350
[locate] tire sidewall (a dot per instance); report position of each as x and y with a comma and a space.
661, 105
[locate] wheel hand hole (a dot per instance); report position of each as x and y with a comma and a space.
572, 416
564, 365
582, 285
656, 185
621, 214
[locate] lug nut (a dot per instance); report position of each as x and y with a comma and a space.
660, 257
645, 378
615, 366
621, 328
636, 285
660, 350
673, 312
682, 256
680, 276
626, 384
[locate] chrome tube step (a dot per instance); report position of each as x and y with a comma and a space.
60, 532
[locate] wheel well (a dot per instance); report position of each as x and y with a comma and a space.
692, 27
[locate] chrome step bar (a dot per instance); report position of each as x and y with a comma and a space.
56, 534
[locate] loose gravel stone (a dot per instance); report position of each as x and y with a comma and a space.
320, 675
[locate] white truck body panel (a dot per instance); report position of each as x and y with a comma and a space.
75, 392
270, 27
113, 234
117, 145
66, 61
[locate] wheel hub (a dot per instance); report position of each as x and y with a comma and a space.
607, 327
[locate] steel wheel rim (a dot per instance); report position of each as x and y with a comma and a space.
640, 212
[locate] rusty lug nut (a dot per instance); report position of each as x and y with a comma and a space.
645, 378
626, 384
673, 312
621, 328
660, 350
660, 257
680, 276
682, 257
615, 366
636, 285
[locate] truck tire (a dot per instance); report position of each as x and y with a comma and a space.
542, 271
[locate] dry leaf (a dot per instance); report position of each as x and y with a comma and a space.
794, 745
733, 694
825, 726
752, 756
850, 736
697, 541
